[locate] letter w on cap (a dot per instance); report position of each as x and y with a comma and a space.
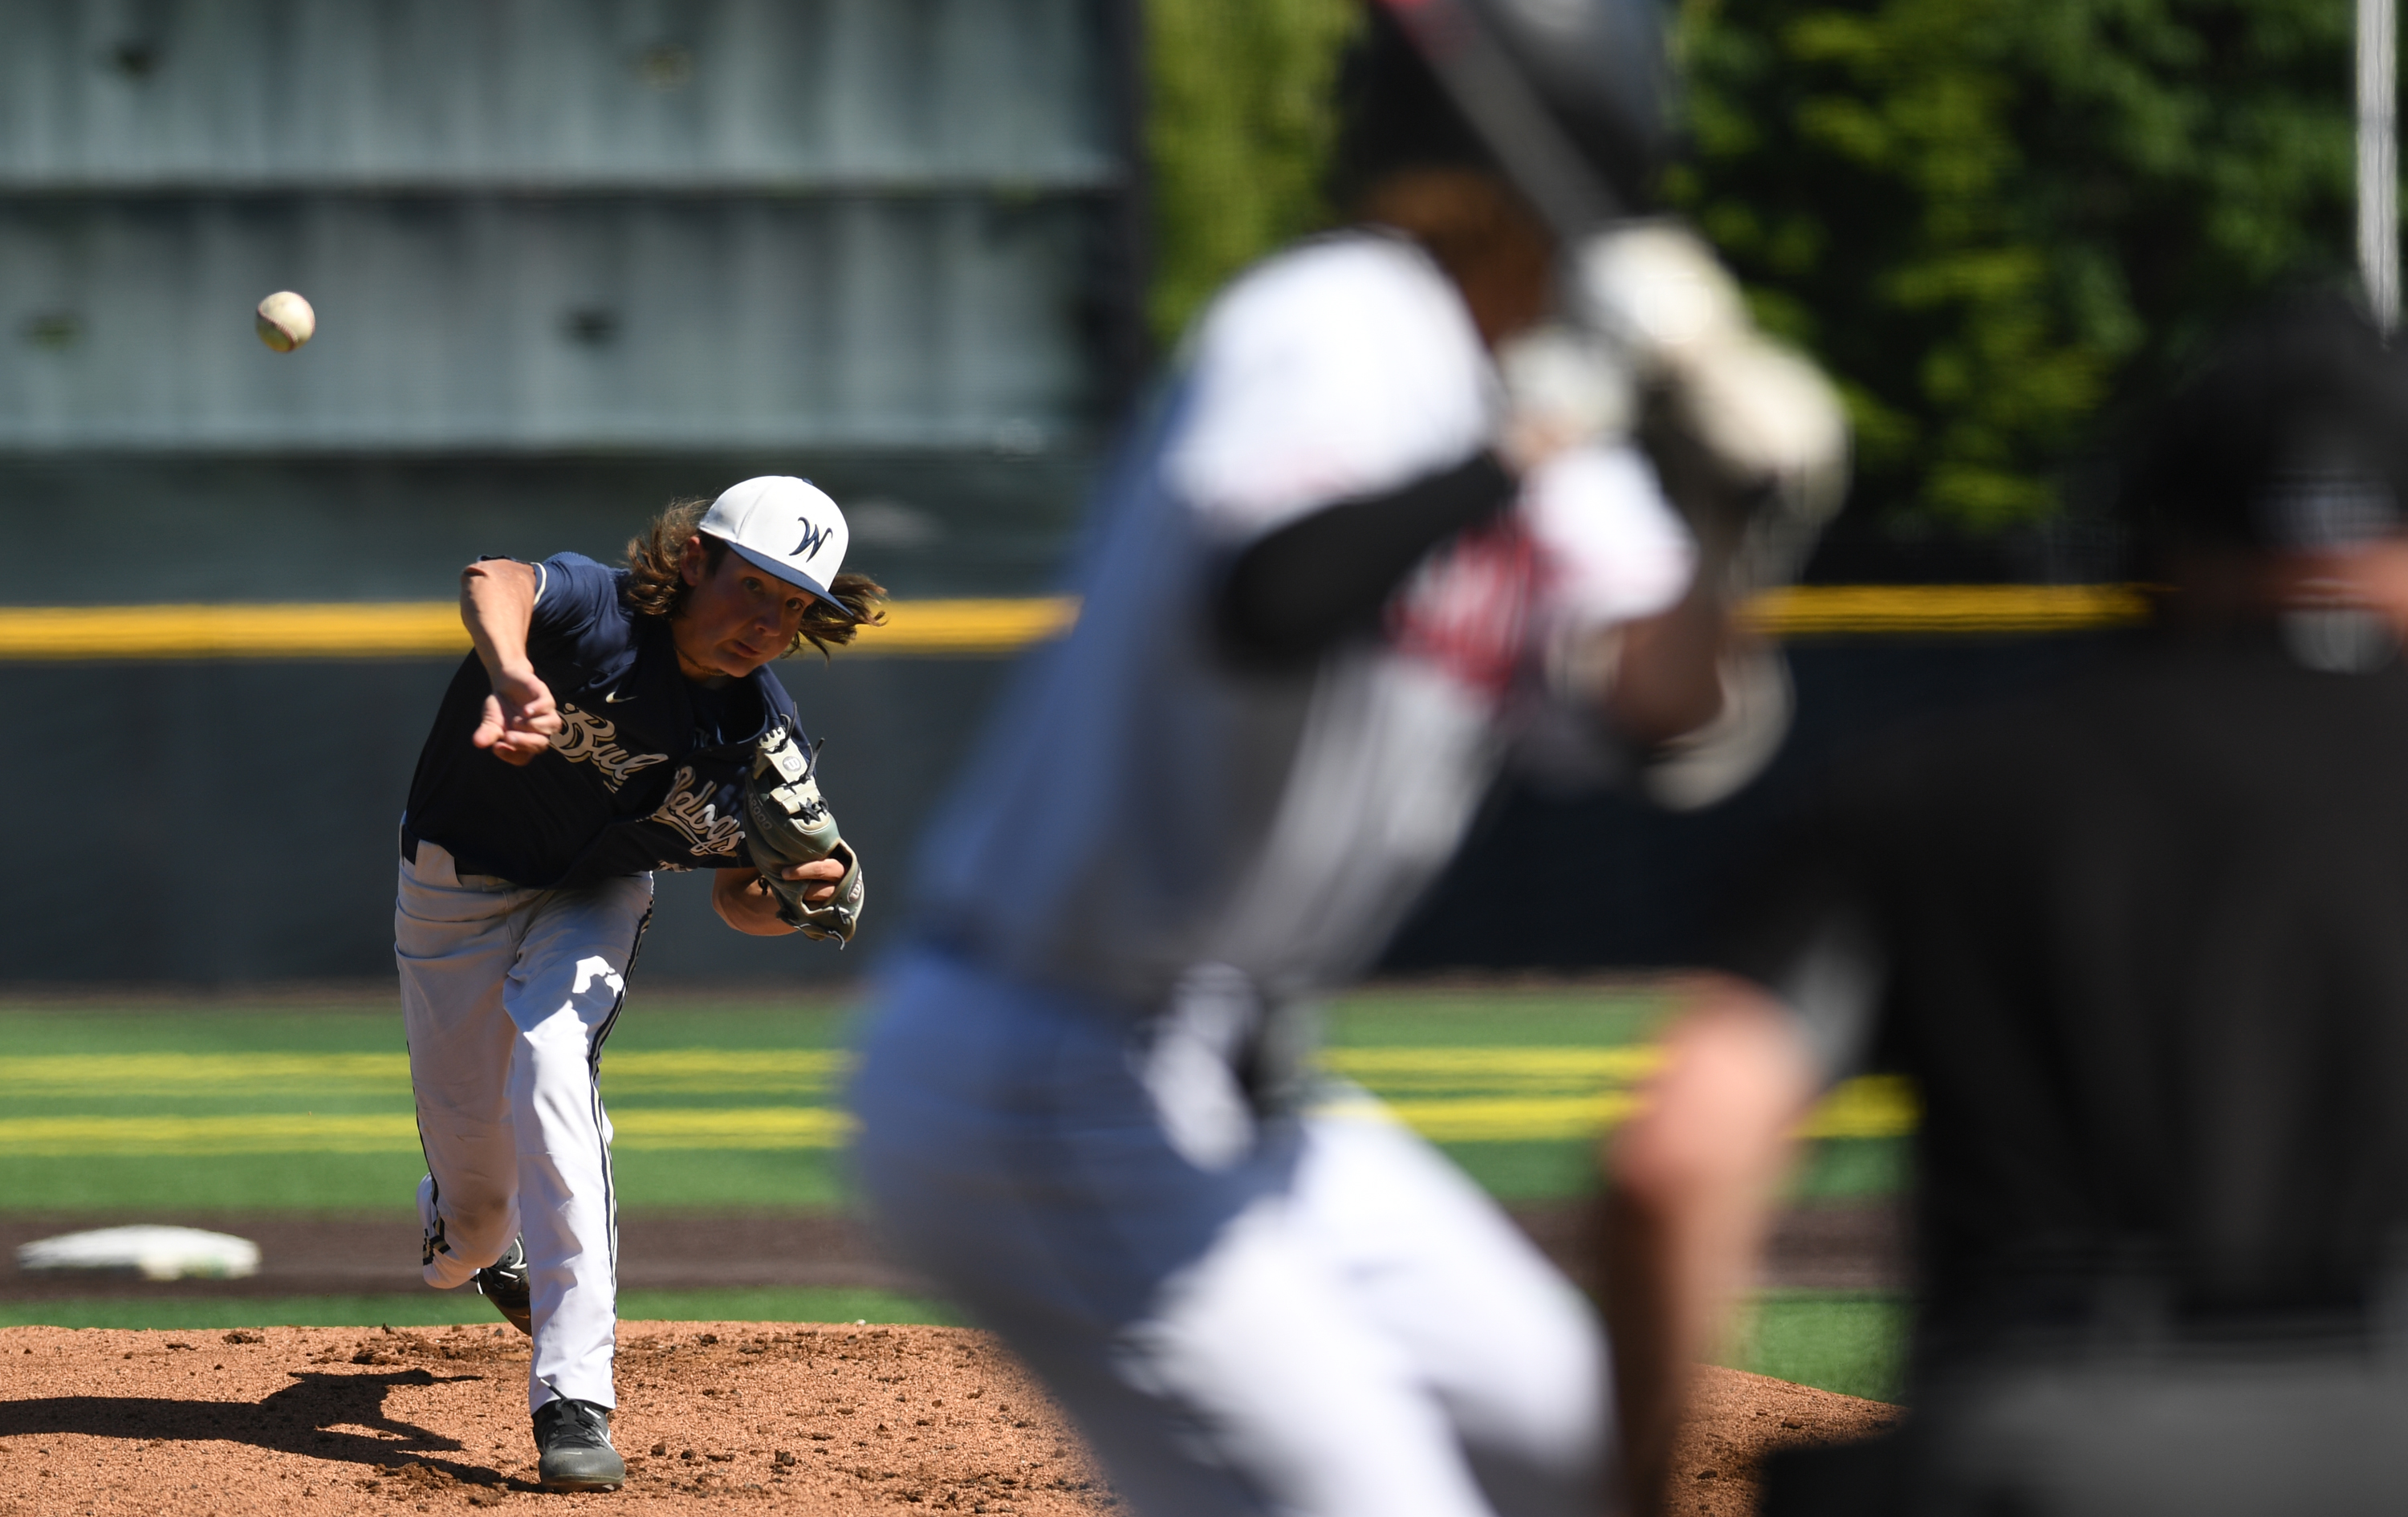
814, 534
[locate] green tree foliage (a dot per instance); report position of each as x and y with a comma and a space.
1987, 217
1239, 126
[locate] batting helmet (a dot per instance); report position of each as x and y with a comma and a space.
1570, 99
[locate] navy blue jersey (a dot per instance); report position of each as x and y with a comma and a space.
645, 773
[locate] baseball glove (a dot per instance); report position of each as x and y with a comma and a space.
786, 823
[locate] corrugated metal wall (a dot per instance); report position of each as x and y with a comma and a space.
480, 323
679, 95
553, 225
571, 258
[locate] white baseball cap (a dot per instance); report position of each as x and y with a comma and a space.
786, 526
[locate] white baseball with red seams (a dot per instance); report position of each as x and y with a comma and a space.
285, 322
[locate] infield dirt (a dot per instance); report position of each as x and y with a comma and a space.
812, 1418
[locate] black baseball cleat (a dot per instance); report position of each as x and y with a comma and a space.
504, 1283
574, 1440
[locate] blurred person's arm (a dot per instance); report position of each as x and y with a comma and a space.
1692, 1182
1637, 621
1292, 594
1297, 589
1693, 1177
1667, 674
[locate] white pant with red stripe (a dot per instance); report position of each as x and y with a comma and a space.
506, 994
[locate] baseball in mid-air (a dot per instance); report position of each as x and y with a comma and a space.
286, 321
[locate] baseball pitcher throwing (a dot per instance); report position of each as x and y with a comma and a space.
611, 722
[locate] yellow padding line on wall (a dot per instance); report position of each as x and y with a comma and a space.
425, 629
1811, 610
957, 628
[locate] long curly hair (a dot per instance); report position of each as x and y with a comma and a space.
657, 588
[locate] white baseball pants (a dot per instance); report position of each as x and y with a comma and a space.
506, 994
1334, 1324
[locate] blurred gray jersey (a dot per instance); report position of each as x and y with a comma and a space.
1141, 809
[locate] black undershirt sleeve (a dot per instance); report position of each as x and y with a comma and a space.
1294, 590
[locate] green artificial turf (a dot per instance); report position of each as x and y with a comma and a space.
719, 1180
1840, 1341
1384, 1016
33, 1028
439, 1307
1850, 1342
1547, 1016
784, 1304
136, 1183
1838, 1168
28, 1028
1529, 1173
702, 1179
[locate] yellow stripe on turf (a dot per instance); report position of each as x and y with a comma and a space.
261, 1132
1521, 1119
1456, 1069
251, 1132
1449, 1095
733, 1127
1873, 1106
663, 1066
667, 1071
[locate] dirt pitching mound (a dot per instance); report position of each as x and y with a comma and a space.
1735, 1419
294, 1420
792, 1417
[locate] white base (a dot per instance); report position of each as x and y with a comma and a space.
153, 1252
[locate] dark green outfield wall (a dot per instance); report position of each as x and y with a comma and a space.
233, 822
230, 822
217, 822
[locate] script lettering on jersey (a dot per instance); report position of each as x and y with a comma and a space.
698, 820
814, 534
586, 738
